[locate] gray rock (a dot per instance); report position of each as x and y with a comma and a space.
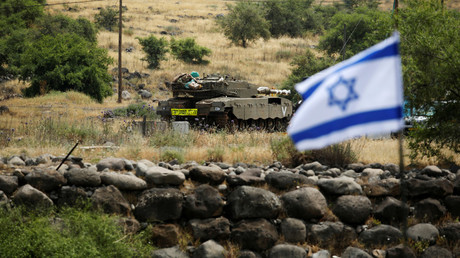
16, 161
293, 230
110, 200
161, 176
432, 171
432, 188
353, 209
423, 232
436, 251
350, 173
31, 197
322, 254
391, 211
334, 234
358, 167
353, 252
340, 186
393, 168
123, 182
453, 205
46, 180
315, 166
211, 175
209, 249
4, 201
429, 209
125, 95
384, 187
172, 252
380, 235
286, 180
83, 177
212, 228
305, 203
400, 251
8, 184
256, 235
115, 164
239, 180
451, 232
284, 250
70, 195
249, 254
370, 173
129, 225
145, 94
159, 204
250, 202
205, 202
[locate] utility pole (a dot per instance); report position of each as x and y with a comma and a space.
120, 77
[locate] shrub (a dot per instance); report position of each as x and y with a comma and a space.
155, 50
172, 154
188, 51
284, 151
135, 110
107, 18
337, 155
216, 154
66, 62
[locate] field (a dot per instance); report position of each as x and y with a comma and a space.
53, 123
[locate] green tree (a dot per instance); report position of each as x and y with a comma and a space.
289, 17
58, 24
155, 50
303, 67
364, 28
244, 23
66, 62
431, 63
107, 18
189, 51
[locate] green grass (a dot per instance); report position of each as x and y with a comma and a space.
70, 232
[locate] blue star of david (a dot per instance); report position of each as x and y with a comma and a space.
342, 101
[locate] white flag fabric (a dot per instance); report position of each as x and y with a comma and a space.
359, 96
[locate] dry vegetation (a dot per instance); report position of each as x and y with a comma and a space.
263, 63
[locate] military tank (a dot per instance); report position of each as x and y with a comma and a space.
224, 102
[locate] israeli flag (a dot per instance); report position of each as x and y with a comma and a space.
359, 96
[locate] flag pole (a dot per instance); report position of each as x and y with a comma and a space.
403, 188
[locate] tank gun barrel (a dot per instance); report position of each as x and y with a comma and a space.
268, 91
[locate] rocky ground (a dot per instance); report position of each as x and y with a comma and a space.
271, 211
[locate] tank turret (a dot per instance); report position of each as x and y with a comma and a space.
225, 102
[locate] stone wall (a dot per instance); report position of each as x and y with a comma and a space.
266, 211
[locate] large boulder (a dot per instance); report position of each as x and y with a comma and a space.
16, 161
213, 228
384, 187
159, 204
328, 233
71, 195
432, 188
83, 177
305, 203
400, 250
206, 174
165, 235
205, 202
391, 211
429, 209
436, 251
453, 205
8, 184
293, 230
123, 181
353, 252
423, 232
247, 202
284, 250
110, 200
129, 225
353, 209
451, 232
115, 164
380, 235
31, 197
46, 180
286, 180
432, 171
256, 235
171, 252
238, 180
340, 186
209, 249
161, 176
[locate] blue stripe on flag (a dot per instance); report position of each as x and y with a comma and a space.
388, 51
345, 122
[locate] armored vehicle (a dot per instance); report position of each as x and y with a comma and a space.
224, 102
